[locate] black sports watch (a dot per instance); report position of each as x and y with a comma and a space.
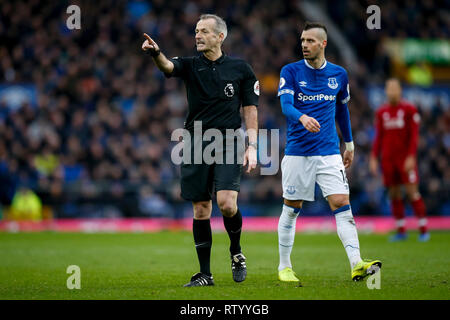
154, 53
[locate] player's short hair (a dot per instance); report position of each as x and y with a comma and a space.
221, 26
311, 25
394, 79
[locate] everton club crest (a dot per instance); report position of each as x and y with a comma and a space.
332, 83
290, 189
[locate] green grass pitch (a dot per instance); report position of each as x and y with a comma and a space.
156, 265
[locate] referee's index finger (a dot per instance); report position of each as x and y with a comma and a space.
148, 37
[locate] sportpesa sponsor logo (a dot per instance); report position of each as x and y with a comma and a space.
317, 97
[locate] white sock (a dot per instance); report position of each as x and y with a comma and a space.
400, 223
422, 222
286, 235
346, 230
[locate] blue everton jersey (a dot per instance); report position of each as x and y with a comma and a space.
316, 93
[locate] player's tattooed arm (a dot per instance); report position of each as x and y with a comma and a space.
150, 46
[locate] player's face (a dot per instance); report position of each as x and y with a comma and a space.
393, 91
312, 44
206, 37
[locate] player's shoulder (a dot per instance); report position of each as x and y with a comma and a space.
336, 68
293, 67
382, 108
409, 106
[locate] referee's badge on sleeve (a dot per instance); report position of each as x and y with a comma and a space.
229, 90
256, 88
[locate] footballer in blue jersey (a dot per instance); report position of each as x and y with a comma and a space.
313, 95
322, 94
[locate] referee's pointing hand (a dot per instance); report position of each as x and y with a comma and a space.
149, 44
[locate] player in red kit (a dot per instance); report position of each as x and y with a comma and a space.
396, 139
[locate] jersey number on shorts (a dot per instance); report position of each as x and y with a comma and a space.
344, 177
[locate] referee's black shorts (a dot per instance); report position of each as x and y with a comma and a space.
200, 181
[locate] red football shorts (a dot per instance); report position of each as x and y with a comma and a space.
395, 174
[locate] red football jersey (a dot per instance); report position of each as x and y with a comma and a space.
396, 132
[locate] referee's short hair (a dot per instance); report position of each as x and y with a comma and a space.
221, 26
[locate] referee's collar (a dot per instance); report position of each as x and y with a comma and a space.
220, 60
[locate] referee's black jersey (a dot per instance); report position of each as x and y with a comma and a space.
216, 90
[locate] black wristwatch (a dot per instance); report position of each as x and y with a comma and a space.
154, 53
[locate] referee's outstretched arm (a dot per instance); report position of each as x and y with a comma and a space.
163, 64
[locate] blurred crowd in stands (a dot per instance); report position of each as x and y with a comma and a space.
97, 141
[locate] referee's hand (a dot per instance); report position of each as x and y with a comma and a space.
310, 124
250, 158
149, 44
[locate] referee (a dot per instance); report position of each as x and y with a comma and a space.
217, 86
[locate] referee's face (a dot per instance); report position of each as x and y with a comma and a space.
206, 38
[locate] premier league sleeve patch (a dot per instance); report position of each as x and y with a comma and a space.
256, 87
229, 90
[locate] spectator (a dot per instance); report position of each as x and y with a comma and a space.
26, 205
